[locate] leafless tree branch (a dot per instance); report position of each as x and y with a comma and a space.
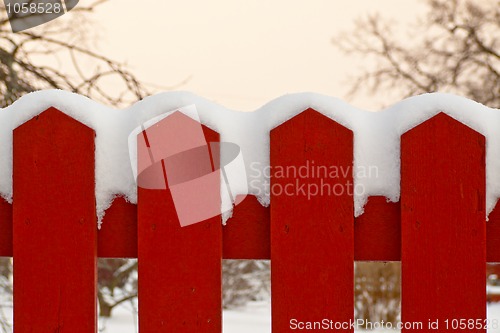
455, 48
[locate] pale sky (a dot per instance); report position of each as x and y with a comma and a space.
239, 53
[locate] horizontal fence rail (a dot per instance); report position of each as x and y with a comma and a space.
438, 231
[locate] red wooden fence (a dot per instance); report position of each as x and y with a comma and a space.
438, 232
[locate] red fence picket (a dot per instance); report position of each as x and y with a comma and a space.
54, 214
443, 185
312, 234
180, 282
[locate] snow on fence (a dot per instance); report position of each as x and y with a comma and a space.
438, 230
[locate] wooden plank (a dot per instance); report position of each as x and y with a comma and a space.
247, 233
5, 229
179, 267
54, 217
377, 233
312, 236
443, 224
493, 236
117, 237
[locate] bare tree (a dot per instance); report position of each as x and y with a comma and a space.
5, 293
454, 48
245, 281
117, 284
53, 56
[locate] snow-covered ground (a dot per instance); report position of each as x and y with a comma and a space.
255, 318
494, 314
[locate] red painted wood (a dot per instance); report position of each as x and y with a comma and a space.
493, 235
5, 229
179, 267
249, 238
117, 237
443, 223
312, 240
247, 233
377, 233
55, 241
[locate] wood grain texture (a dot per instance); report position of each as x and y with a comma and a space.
443, 223
55, 232
180, 287
312, 238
